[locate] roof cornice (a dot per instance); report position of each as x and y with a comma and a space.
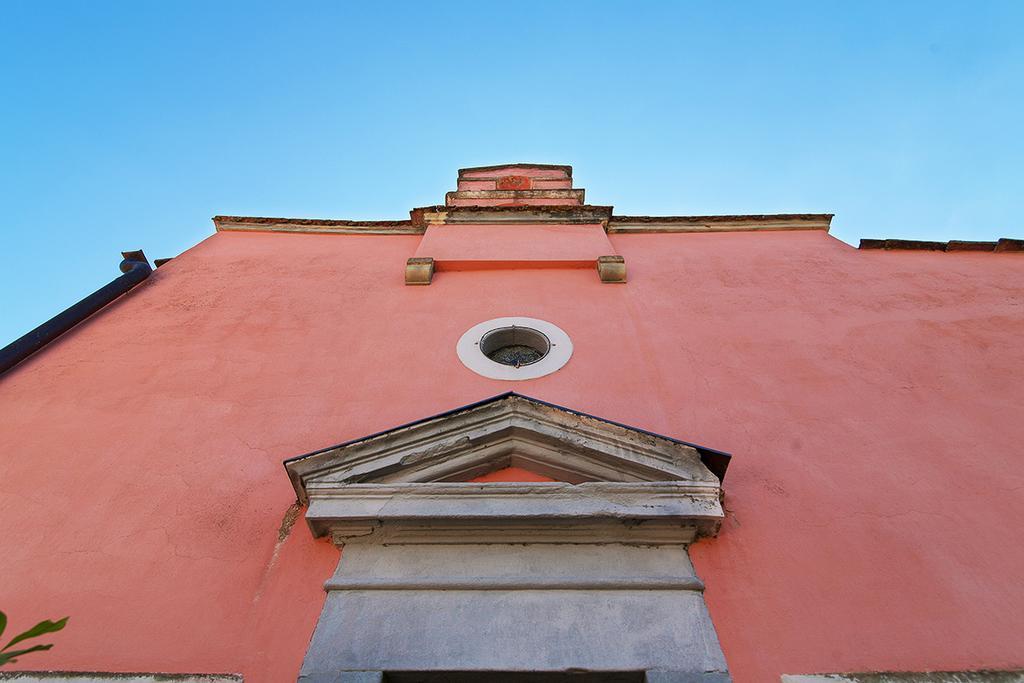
1004, 244
315, 225
505, 215
734, 223
440, 214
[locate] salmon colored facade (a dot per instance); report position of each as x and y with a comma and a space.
872, 401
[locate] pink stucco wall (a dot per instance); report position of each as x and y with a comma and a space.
872, 402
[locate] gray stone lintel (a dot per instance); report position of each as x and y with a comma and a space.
343, 677
687, 677
514, 630
531, 607
661, 512
527, 566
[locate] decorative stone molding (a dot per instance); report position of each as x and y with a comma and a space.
444, 577
314, 226
511, 215
649, 512
566, 197
595, 449
611, 268
610, 477
759, 222
570, 214
419, 271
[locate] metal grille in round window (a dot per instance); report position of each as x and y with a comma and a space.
514, 348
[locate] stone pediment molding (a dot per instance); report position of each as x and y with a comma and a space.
614, 483
589, 572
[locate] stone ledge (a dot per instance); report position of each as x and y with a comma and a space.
104, 677
1004, 244
647, 512
980, 676
443, 583
552, 214
733, 223
314, 225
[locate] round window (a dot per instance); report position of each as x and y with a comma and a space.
514, 348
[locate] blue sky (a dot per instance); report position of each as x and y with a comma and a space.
128, 125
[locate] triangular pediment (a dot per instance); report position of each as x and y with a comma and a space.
509, 430
608, 482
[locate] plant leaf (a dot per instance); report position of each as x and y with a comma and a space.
10, 656
39, 629
3, 622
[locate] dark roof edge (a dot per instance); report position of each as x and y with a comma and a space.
727, 223
725, 218
135, 269
315, 225
715, 460
1004, 244
266, 220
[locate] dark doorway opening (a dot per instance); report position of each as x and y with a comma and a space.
514, 677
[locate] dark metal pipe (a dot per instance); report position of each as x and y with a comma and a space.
135, 268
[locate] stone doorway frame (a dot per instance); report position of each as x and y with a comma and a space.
589, 573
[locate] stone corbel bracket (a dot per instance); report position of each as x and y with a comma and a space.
419, 271
611, 269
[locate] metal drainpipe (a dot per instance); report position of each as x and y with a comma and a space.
135, 268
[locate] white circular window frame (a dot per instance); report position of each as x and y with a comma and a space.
473, 358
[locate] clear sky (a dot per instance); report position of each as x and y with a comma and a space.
128, 125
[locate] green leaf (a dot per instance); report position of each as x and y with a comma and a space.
10, 656
3, 622
39, 629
